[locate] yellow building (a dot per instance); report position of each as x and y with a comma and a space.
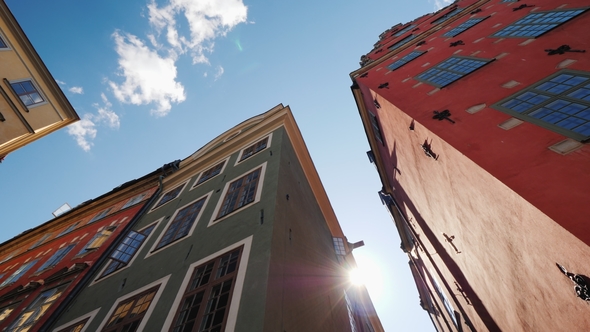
31, 103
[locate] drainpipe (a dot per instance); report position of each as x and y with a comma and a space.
166, 169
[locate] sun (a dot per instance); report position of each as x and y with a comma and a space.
367, 273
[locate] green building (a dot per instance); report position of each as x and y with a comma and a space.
242, 237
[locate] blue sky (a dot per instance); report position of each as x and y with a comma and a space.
155, 80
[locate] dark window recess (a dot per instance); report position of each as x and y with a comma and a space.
205, 304
126, 250
451, 70
376, 128
172, 194
182, 223
404, 30
254, 149
128, 314
3, 43
407, 58
536, 24
447, 16
211, 172
240, 193
560, 103
463, 26
7, 310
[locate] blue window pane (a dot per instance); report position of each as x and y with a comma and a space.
570, 123
582, 93
3, 44
583, 129
554, 117
584, 115
463, 26
535, 24
451, 70
540, 113
405, 60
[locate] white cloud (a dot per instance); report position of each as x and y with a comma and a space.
60, 82
149, 71
149, 77
84, 131
438, 4
219, 72
207, 19
77, 89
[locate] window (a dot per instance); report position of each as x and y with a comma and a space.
240, 192
97, 240
401, 42
126, 250
536, 24
7, 310
464, 26
509, 0
375, 125
254, 149
6, 258
40, 241
182, 222
134, 200
404, 30
3, 43
27, 92
211, 172
170, 195
446, 16
68, 229
451, 70
128, 314
77, 327
36, 309
56, 258
407, 58
339, 246
100, 215
443, 298
205, 304
18, 273
560, 103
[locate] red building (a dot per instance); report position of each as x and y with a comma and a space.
478, 117
41, 267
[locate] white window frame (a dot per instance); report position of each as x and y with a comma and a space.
34, 83
238, 286
5, 40
142, 196
90, 316
268, 144
98, 276
162, 282
259, 187
153, 249
224, 160
183, 183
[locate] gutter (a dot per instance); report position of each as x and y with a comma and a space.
87, 278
